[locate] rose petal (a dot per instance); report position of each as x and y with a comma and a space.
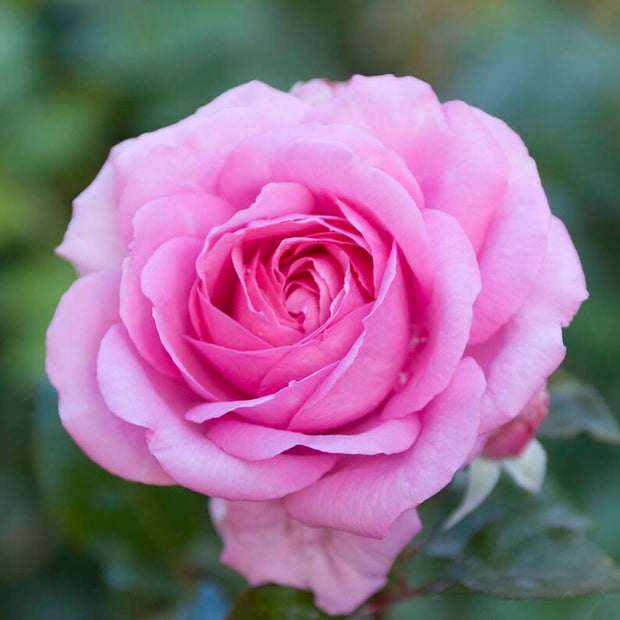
447, 319
93, 241
84, 314
275, 410
259, 96
266, 546
402, 113
180, 446
365, 496
254, 442
166, 280
155, 223
369, 370
247, 168
514, 247
518, 358
269, 370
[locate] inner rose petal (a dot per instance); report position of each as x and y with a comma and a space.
286, 277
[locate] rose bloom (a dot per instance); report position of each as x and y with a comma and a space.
315, 307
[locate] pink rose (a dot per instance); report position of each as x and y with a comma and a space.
323, 302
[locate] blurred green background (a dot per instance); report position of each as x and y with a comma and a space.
77, 76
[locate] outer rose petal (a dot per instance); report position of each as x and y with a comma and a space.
459, 165
447, 318
84, 314
186, 156
259, 96
93, 241
266, 545
514, 247
316, 91
136, 392
403, 113
518, 358
366, 495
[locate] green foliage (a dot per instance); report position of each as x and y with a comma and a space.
577, 408
275, 603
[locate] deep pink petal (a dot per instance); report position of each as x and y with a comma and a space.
369, 370
266, 546
333, 168
254, 442
446, 320
329, 346
155, 223
166, 280
518, 358
222, 329
83, 316
266, 371
159, 404
275, 410
366, 495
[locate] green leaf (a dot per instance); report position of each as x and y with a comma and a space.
521, 546
577, 408
275, 603
513, 562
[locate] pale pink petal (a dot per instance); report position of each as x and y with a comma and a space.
514, 247
402, 113
474, 175
255, 442
525, 352
155, 223
259, 96
316, 91
83, 316
159, 404
266, 546
445, 321
93, 241
247, 168
184, 157
366, 495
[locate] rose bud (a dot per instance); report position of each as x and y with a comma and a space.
511, 439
